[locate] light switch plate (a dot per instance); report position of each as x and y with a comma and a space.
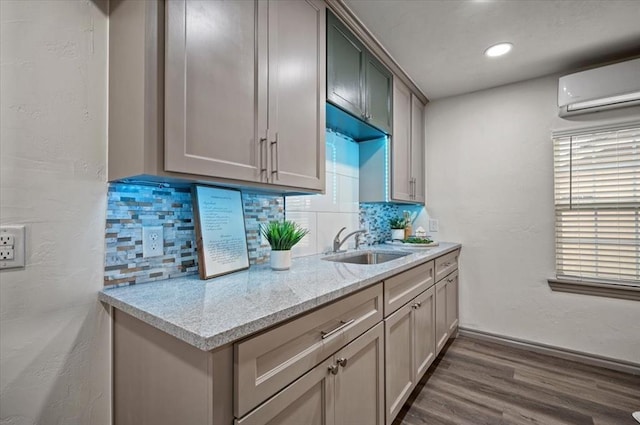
152, 241
12, 247
433, 225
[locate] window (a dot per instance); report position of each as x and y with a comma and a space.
597, 206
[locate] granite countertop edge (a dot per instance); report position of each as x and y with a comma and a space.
207, 341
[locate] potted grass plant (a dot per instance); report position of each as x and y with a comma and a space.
282, 236
398, 225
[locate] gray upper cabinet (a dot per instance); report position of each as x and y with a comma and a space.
407, 147
245, 91
296, 96
345, 68
356, 81
378, 94
212, 59
417, 150
401, 144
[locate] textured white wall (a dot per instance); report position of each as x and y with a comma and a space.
490, 183
54, 335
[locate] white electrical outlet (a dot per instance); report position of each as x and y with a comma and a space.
152, 241
6, 253
7, 238
12, 243
433, 225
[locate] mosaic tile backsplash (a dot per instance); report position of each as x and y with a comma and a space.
130, 207
374, 217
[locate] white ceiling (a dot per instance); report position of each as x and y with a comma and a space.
440, 43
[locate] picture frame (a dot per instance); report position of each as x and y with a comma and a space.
221, 235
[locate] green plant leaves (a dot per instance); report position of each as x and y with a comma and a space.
398, 223
283, 235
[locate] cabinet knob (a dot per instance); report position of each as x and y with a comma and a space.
342, 362
333, 369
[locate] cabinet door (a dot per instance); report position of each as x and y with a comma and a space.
297, 76
417, 149
401, 143
452, 302
309, 400
359, 384
378, 95
211, 90
442, 330
424, 324
399, 374
269, 361
345, 68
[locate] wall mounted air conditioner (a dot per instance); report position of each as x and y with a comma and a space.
598, 89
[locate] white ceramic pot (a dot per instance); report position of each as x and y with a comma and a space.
280, 260
397, 234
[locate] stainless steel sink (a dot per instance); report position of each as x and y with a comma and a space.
367, 257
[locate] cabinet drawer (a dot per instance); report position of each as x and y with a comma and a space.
401, 288
446, 264
266, 363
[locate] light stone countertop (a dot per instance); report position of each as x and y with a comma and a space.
211, 313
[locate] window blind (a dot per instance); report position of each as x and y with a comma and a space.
597, 205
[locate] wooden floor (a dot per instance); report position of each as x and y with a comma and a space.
477, 382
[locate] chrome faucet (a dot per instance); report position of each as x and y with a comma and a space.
337, 243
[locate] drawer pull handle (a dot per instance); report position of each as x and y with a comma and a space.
343, 324
416, 305
342, 362
333, 369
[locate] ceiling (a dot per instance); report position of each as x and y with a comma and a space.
440, 43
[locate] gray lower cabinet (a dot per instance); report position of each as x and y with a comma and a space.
399, 333
359, 384
409, 349
442, 330
347, 388
342, 363
446, 296
271, 360
309, 400
356, 81
452, 302
407, 146
160, 380
424, 347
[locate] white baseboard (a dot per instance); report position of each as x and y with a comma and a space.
563, 353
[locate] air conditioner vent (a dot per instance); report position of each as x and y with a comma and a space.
598, 89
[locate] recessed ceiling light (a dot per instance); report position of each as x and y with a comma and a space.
498, 50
